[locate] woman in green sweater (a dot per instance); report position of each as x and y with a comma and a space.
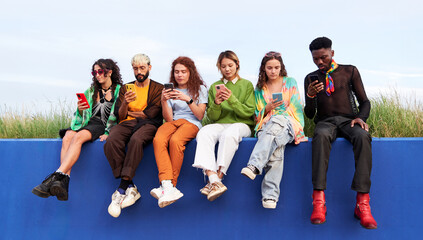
231, 110
90, 122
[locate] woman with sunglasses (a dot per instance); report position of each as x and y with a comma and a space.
231, 110
90, 122
280, 120
183, 109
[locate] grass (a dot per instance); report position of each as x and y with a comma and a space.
22, 124
390, 116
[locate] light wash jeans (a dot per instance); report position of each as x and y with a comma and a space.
268, 154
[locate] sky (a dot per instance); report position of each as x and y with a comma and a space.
48, 47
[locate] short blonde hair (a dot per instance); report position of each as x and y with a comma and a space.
140, 59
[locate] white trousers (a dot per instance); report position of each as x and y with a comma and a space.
229, 135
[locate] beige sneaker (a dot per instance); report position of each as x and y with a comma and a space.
217, 189
206, 189
249, 171
169, 196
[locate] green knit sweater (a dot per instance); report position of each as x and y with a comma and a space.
79, 121
238, 108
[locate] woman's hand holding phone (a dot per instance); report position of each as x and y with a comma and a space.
82, 105
178, 95
166, 94
272, 105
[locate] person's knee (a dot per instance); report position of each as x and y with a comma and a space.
362, 137
176, 142
138, 141
322, 134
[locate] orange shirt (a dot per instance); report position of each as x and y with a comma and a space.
140, 102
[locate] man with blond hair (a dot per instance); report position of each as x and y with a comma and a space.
140, 114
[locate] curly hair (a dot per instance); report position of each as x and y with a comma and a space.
107, 65
262, 79
229, 55
319, 43
194, 82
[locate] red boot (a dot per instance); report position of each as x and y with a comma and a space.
362, 211
319, 207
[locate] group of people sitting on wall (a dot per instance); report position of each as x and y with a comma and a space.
130, 116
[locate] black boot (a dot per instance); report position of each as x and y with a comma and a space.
43, 190
60, 187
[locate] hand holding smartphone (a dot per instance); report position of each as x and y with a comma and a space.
220, 87
83, 99
277, 97
131, 88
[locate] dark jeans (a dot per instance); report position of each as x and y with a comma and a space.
325, 133
125, 164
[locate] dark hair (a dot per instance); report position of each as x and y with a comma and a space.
319, 43
194, 82
229, 55
107, 65
262, 72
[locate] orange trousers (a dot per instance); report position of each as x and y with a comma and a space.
169, 146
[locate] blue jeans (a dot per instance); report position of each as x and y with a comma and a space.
268, 154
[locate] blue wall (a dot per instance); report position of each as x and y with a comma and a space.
396, 196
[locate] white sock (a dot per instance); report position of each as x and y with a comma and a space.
166, 184
62, 172
214, 178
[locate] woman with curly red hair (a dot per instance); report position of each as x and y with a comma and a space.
183, 109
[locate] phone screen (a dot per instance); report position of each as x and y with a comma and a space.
277, 96
313, 78
168, 86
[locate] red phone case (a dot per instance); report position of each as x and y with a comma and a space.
82, 97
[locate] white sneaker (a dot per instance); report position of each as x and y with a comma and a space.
269, 203
169, 196
132, 195
157, 192
116, 204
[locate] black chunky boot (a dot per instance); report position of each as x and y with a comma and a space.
60, 187
43, 190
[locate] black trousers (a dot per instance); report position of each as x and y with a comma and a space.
325, 133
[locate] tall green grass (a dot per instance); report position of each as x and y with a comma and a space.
390, 116
23, 124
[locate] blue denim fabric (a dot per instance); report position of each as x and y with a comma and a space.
268, 154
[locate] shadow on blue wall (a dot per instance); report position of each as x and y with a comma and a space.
396, 196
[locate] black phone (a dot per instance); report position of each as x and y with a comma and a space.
314, 78
168, 86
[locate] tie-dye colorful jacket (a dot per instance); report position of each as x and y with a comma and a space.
291, 107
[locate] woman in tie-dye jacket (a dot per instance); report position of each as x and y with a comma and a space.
280, 120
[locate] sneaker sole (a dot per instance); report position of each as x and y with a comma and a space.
269, 205
248, 173
130, 203
165, 203
40, 193
213, 197
60, 193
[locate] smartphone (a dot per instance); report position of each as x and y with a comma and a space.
314, 78
83, 99
220, 87
277, 96
130, 87
168, 86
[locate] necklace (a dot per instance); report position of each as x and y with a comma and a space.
105, 90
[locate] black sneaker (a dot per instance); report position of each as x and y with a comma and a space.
43, 190
60, 187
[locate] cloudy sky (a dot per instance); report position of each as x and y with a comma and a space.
48, 47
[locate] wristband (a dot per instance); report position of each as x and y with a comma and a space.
190, 101
311, 96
